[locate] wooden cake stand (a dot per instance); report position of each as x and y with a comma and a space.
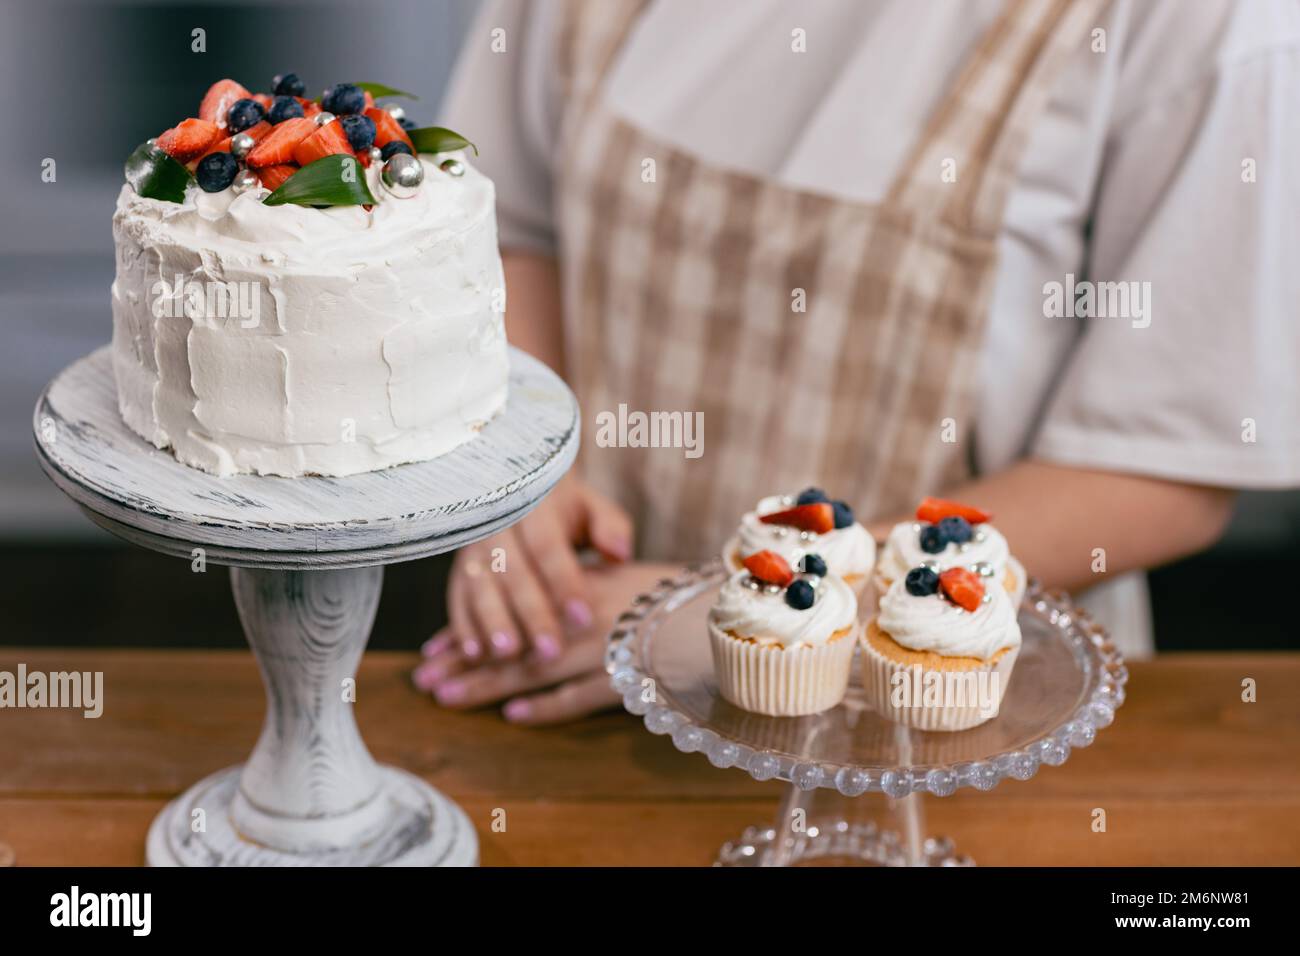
306, 558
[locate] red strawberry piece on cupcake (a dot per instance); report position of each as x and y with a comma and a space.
818, 517
277, 146
935, 510
221, 96
770, 568
189, 139
273, 177
962, 587
388, 129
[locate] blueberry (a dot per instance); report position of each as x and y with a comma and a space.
813, 564
799, 595
287, 84
843, 514
243, 114
360, 131
343, 99
811, 496
283, 108
932, 539
408, 124
921, 582
956, 529
216, 171
393, 147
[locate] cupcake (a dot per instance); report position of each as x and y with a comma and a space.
939, 654
946, 534
808, 524
783, 642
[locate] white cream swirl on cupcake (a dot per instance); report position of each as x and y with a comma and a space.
903, 551
849, 551
933, 623
750, 610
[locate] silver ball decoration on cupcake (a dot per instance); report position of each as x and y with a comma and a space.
395, 111
376, 155
402, 175
321, 118
452, 167
240, 144
245, 180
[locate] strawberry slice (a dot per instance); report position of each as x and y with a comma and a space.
370, 101
326, 141
188, 139
277, 146
770, 568
273, 177
818, 517
219, 99
258, 130
962, 587
309, 107
935, 510
387, 129
265, 100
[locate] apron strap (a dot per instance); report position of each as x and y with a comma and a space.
982, 126
591, 34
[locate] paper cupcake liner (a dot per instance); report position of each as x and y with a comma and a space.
782, 682
879, 674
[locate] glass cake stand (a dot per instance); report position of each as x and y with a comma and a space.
1068, 681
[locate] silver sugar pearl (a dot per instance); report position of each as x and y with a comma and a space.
402, 175
452, 167
780, 531
240, 144
376, 155
752, 583
964, 547
983, 569
772, 589
987, 598
246, 180
981, 536
916, 526
394, 110
807, 535
931, 565
321, 118
787, 500
152, 141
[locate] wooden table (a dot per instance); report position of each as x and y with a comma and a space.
1188, 773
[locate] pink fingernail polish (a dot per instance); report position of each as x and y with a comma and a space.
471, 648
425, 676
436, 645
518, 710
578, 613
452, 692
548, 647
503, 643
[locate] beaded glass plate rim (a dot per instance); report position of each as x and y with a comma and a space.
1053, 747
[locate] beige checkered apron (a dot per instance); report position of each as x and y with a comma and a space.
682, 293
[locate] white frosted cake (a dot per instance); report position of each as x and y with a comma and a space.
349, 338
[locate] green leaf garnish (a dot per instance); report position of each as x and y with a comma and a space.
378, 89
336, 180
155, 175
438, 139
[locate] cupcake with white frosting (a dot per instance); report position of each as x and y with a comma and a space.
940, 653
809, 523
783, 641
946, 534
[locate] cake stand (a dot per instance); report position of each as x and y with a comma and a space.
1068, 681
306, 558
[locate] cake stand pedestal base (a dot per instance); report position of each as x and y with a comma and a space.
823, 828
310, 794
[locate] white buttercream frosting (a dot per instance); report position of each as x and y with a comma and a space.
846, 551
933, 623
379, 335
903, 551
765, 617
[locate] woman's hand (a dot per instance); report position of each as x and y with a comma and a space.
523, 589
565, 687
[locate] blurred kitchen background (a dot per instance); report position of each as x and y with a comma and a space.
88, 81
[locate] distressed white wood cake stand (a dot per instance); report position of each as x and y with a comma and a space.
306, 558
